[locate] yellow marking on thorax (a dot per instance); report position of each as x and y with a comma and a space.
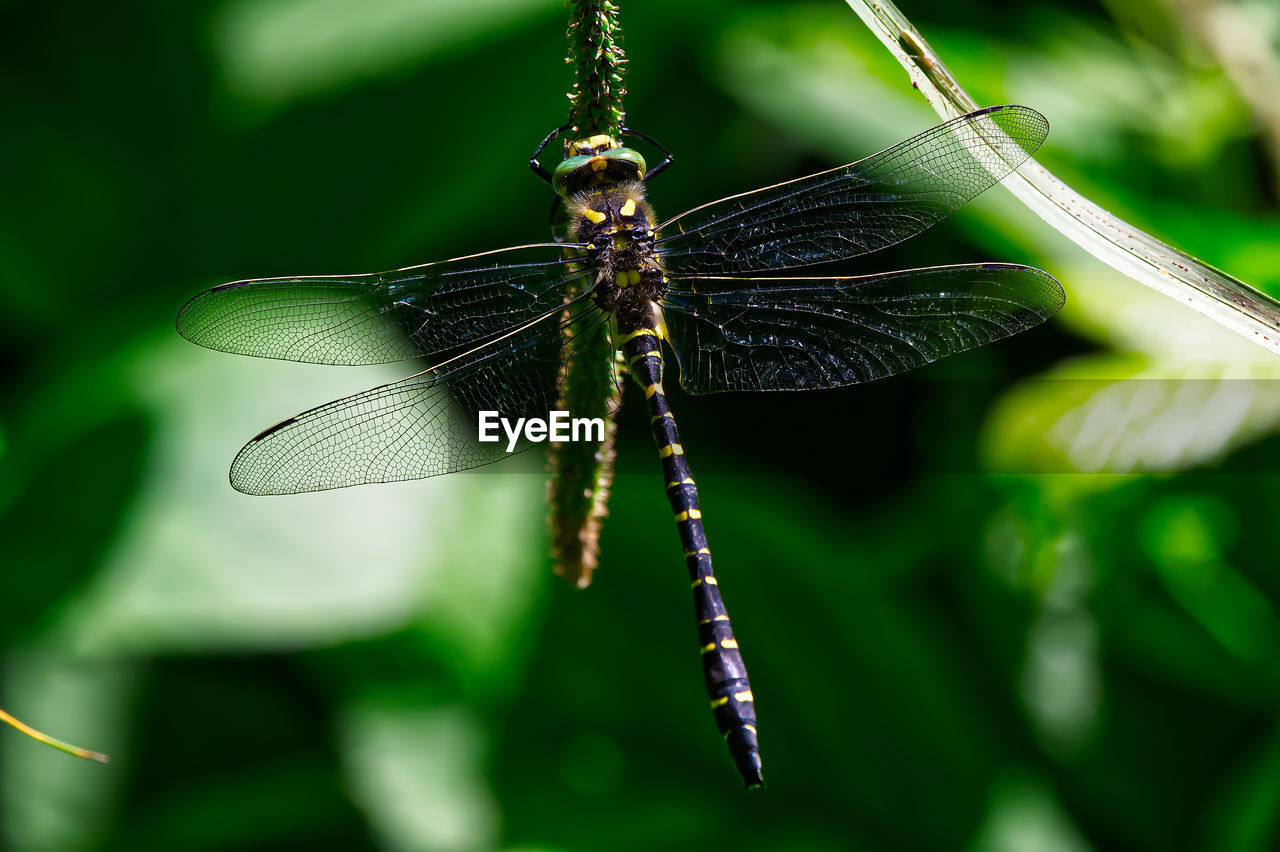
629, 209
744, 696
594, 216
671, 450
651, 390
710, 581
692, 513
728, 643
719, 702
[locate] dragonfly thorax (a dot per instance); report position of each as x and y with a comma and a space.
616, 225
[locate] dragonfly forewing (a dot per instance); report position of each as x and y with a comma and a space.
422, 311
855, 209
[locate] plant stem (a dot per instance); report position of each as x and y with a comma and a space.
48, 740
582, 472
595, 52
1133, 252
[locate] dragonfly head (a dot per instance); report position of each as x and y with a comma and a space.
596, 160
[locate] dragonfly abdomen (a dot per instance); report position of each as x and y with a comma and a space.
722, 665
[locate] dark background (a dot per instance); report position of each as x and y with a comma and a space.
1024, 599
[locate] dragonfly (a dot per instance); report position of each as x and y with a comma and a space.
494, 328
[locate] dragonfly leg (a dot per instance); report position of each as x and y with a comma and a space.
725, 673
537, 167
668, 157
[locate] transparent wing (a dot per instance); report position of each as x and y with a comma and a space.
424, 425
806, 333
855, 209
385, 316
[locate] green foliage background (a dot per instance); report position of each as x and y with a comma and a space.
1021, 600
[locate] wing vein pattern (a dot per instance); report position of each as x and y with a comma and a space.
422, 311
420, 426
735, 334
855, 209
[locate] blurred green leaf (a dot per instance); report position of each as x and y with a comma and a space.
201, 566
277, 51
1182, 538
1122, 414
270, 807
1024, 815
1244, 816
416, 770
50, 568
1061, 678
814, 71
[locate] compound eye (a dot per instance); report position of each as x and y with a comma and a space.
567, 177
627, 159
